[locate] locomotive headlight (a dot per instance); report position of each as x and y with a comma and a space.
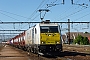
57, 42
42, 42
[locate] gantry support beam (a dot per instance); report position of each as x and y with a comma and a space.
9, 33
12, 30
36, 22
17, 22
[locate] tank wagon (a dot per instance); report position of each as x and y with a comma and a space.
42, 38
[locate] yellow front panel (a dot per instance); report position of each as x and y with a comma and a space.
50, 38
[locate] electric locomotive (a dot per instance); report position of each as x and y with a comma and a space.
43, 38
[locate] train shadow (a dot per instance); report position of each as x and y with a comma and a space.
68, 53
65, 53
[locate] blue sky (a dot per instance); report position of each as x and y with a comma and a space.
27, 10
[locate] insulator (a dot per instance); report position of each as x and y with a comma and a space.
72, 1
72, 25
63, 2
88, 25
29, 25
61, 25
14, 25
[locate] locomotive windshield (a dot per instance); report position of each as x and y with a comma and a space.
49, 29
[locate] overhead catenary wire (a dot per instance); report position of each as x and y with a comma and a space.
33, 18
76, 3
82, 17
1, 20
9, 16
1, 27
45, 7
73, 13
84, 14
35, 11
20, 15
66, 11
83, 6
13, 14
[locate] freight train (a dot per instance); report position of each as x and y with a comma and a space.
44, 37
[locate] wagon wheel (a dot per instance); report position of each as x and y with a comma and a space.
31, 50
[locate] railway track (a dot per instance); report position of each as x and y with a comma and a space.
70, 52
10, 53
77, 52
77, 48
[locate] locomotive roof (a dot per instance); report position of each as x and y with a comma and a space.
48, 24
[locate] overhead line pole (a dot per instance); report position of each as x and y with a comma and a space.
69, 31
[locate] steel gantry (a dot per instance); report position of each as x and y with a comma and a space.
37, 22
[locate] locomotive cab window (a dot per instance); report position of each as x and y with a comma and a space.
49, 29
35, 31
